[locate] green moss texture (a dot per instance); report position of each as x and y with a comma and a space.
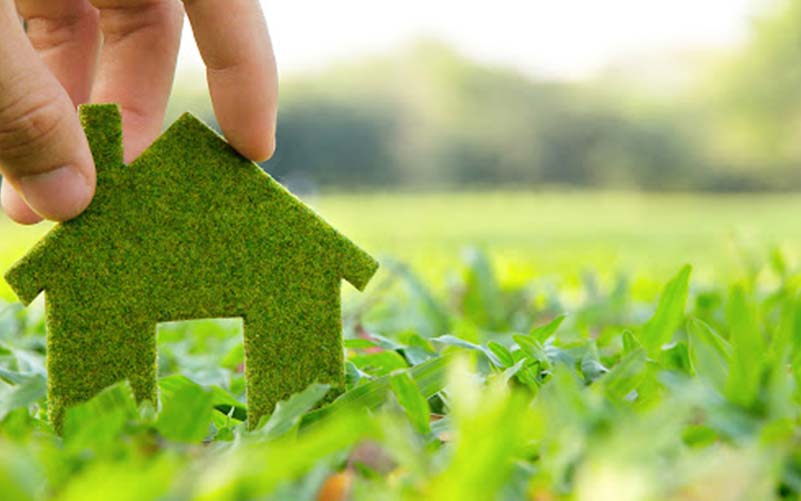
189, 230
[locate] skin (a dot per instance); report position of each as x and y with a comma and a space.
120, 51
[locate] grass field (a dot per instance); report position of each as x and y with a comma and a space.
515, 346
567, 233
548, 234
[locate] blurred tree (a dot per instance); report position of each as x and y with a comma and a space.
426, 117
755, 95
335, 143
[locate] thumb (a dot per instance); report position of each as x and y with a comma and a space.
44, 154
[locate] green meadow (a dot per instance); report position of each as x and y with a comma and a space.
515, 345
554, 234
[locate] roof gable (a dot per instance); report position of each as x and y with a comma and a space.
190, 212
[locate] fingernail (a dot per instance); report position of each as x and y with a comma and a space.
59, 194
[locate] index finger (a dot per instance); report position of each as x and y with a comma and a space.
241, 71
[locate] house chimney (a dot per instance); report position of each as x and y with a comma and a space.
102, 124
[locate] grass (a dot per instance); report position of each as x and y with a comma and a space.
547, 234
568, 354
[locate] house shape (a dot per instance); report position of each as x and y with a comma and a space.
189, 230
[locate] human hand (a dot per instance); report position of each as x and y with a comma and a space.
63, 61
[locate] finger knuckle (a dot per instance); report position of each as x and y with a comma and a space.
47, 33
28, 123
121, 19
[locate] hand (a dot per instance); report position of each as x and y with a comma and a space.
63, 61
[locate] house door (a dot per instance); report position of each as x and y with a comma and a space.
208, 352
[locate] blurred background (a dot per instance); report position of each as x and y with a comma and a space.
623, 94
620, 136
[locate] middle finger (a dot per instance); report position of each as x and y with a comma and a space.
137, 64
65, 34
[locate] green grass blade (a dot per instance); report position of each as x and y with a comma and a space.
429, 377
482, 300
626, 375
542, 332
669, 313
710, 354
186, 410
288, 413
29, 391
450, 340
412, 401
748, 350
503, 354
97, 423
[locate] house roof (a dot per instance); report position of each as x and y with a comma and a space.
190, 211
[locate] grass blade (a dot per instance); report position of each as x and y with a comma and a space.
669, 313
709, 353
429, 377
287, 413
409, 397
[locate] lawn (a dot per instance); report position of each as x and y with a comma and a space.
547, 234
514, 346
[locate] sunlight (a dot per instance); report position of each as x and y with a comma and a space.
565, 39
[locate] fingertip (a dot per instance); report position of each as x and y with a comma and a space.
250, 131
15, 207
241, 72
258, 148
60, 194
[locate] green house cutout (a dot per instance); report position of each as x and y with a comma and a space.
189, 230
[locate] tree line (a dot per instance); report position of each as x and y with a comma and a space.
427, 118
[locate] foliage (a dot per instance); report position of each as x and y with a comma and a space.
756, 110
513, 391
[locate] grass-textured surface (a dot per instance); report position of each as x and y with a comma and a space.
189, 230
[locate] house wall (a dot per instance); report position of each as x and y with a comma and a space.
90, 348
